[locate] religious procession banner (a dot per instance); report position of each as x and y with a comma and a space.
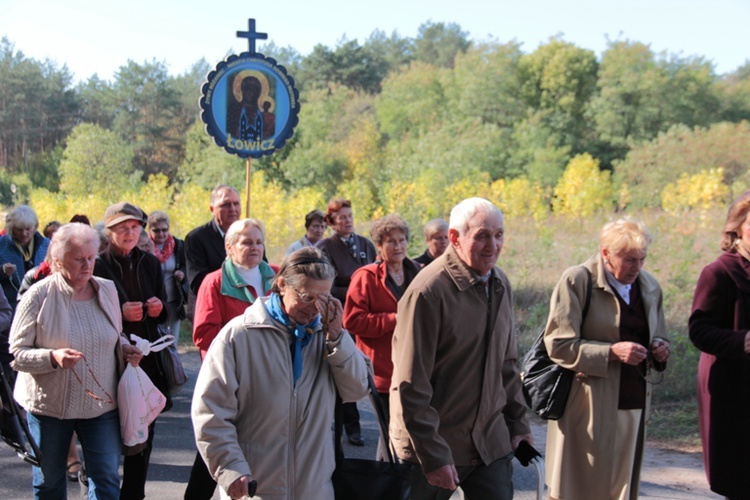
249, 104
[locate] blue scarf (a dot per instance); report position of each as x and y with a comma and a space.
301, 334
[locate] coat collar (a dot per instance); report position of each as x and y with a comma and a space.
648, 284
232, 284
463, 276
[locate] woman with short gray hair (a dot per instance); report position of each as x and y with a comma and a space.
69, 353
21, 249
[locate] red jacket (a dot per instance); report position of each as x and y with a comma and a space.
214, 309
370, 315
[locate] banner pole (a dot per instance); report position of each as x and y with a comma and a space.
248, 174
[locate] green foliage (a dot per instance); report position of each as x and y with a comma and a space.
411, 100
97, 161
650, 166
583, 188
206, 164
38, 108
558, 80
438, 43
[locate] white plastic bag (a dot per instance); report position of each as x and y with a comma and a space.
139, 403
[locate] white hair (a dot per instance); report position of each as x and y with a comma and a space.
74, 233
467, 209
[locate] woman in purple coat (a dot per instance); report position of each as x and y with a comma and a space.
719, 325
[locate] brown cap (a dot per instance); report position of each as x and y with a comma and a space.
120, 212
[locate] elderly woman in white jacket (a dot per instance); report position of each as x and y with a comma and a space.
263, 403
69, 353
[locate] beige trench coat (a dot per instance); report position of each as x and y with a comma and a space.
580, 445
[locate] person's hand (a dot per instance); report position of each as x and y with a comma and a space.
154, 307
9, 269
516, 440
132, 311
747, 342
444, 477
630, 353
66, 357
660, 349
331, 314
238, 488
179, 275
131, 354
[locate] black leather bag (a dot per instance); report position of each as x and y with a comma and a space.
546, 384
358, 479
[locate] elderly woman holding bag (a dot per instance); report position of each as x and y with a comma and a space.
263, 402
69, 353
140, 289
595, 449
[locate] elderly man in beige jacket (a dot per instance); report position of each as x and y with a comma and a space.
456, 403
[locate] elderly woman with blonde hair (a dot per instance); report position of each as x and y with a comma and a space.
595, 449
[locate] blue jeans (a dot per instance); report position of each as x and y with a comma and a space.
100, 441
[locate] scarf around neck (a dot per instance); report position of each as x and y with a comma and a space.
166, 251
301, 334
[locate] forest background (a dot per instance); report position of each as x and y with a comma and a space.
560, 139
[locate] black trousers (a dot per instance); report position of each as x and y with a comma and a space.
135, 470
201, 485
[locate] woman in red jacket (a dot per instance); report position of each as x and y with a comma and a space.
372, 298
223, 295
242, 278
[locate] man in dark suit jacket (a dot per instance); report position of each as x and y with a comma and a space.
205, 252
204, 245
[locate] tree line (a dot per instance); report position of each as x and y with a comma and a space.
394, 114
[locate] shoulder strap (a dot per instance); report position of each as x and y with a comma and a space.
589, 286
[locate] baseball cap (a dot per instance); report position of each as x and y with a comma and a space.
120, 212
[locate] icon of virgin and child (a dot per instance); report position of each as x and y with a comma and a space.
250, 110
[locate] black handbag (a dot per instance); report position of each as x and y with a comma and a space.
546, 384
359, 479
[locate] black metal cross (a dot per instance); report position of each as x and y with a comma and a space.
251, 35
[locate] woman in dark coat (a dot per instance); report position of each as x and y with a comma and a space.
140, 289
719, 325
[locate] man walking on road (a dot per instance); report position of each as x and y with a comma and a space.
456, 404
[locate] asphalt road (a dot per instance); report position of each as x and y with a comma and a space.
174, 451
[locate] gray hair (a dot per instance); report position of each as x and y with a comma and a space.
434, 226
624, 235
220, 189
305, 263
71, 235
238, 227
467, 209
20, 217
156, 217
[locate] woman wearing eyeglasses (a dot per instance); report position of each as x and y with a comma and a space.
263, 402
69, 354
223, 295
171, 253
140, 289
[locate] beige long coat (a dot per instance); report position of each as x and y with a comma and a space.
580, 446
